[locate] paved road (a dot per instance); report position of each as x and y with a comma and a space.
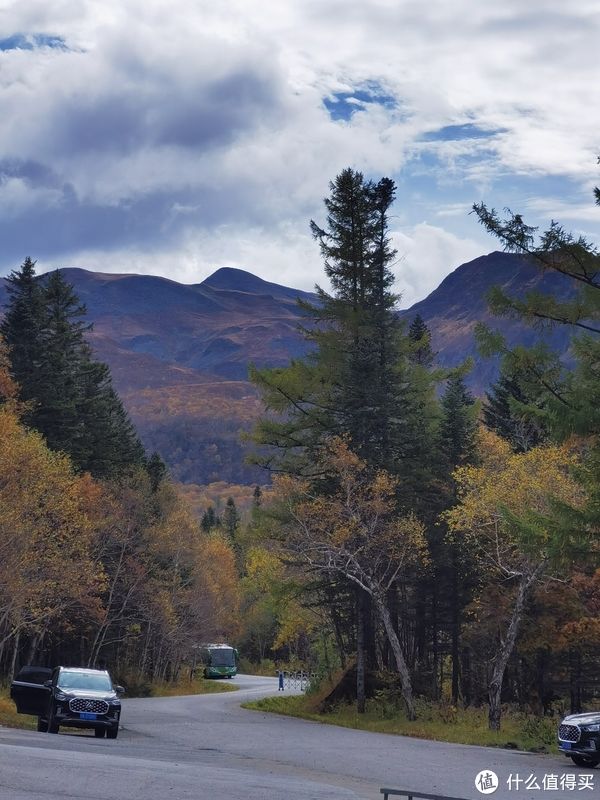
207, 747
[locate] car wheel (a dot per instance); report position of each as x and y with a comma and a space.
586, 761
112, 733
99, 733
42, 725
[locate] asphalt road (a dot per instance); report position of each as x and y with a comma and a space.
206, 746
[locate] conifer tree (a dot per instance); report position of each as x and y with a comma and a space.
157, 470
21, 328
72, 401
505, 412
459, 424
209, 520
452, 563
231, 519
359, 382
420, 337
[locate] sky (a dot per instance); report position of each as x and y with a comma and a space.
174, 138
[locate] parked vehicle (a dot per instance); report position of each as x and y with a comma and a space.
73, 697
219, 660
579, 738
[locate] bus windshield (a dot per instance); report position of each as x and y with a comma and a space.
222, 657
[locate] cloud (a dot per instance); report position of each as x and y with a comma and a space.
188, 135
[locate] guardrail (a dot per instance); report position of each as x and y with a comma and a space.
410, 795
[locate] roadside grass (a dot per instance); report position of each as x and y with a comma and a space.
8, 714
436, 722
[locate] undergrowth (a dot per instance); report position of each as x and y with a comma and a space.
439, 722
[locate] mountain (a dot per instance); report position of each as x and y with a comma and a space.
453, 309
179, 354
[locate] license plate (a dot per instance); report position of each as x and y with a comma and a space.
87, 715
565, 746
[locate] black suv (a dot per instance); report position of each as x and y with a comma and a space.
72, 696
579, 738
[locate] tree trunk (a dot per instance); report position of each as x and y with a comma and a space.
506, 647
360, 651
13, 662
407, 692
455, 629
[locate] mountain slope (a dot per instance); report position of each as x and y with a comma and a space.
453, 309
179, 353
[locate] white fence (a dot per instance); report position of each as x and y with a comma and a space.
297, 680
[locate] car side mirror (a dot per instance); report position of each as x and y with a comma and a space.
120, 689
48, 684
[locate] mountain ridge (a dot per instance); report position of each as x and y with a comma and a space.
179, 353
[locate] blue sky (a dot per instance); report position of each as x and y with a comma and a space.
176, 138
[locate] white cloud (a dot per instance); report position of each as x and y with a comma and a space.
187, 135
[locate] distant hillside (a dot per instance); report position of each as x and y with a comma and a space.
179, 354
453, 309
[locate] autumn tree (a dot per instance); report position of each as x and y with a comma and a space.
503, 509
46, 565
354, 531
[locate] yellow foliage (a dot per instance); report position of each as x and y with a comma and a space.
46, 530
517, 482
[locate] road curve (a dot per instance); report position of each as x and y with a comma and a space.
206, 746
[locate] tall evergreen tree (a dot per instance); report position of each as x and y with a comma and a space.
359, 382
459, 423
72, 400
420, 337
231, 519
21, 328
157, 471
453, 572
505, 412
209, 520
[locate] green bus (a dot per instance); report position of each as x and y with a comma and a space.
219, 660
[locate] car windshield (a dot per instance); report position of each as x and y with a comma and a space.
223, 657
84, 680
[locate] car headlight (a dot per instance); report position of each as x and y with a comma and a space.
60, 695
592, 728
115, 702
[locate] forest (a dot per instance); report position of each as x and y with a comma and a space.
408, 539
101, 561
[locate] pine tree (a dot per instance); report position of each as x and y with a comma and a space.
157, 471
505, 412
231, 519
65, 353
459, 423
420, 338
21, 328
209, 520
359, 382
453, 572
72, 400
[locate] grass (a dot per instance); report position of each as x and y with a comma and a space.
10, 719
440, 723
8, 714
